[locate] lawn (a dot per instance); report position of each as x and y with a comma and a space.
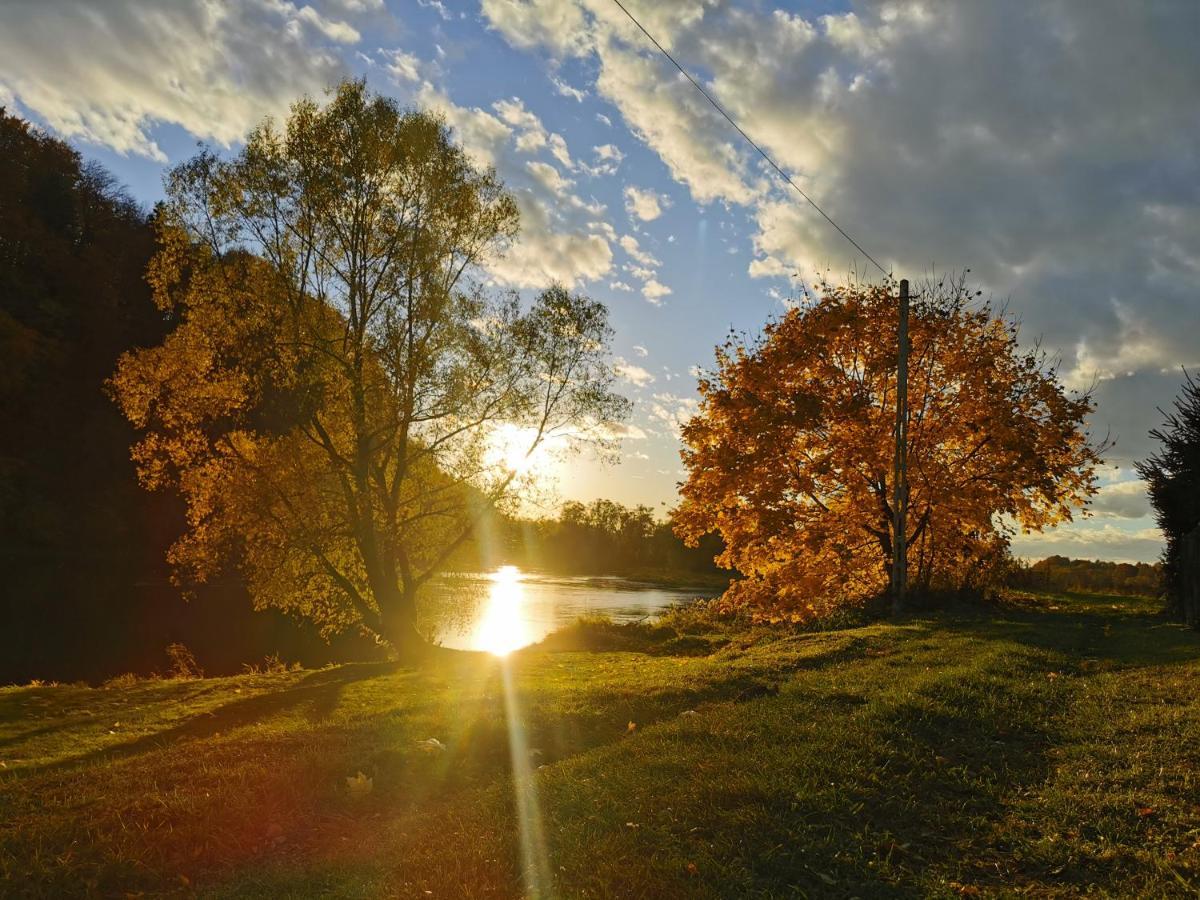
1050, 748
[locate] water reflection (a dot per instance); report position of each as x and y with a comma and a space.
503, 627
519, 608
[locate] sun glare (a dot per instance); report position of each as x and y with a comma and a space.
509, 448
502, 628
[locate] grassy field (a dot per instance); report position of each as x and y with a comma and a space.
1051, 749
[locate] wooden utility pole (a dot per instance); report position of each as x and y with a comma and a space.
900, 476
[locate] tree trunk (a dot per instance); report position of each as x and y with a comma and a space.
398, 618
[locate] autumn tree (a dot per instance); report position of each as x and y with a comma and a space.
328, 400
790, 455
1172, 478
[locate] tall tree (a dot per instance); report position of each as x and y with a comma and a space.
1172, 478
329, 402
790, 455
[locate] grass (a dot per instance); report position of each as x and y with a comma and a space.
1050, 749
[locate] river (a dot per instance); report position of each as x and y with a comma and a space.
509, 609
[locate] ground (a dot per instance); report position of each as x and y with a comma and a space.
1050, 748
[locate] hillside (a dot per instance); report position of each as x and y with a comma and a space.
1051, 748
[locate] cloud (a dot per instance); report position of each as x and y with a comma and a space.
402, 66
437, 6
566, 90
109, 73
640, 350
632, 373
672, 410
1088, 541
608, 160
644, 204
619, 286
653, 291
1124, 500
562, 237
1022, 142
631, 246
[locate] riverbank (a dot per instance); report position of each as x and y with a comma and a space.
1049, 748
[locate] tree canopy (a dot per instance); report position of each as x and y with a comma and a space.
1172, 478
328, 401
790, 455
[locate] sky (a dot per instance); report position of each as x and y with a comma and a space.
1051, 148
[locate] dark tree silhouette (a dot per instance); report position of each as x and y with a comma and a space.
1172, 477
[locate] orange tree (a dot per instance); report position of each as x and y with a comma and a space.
790, 455
328, 399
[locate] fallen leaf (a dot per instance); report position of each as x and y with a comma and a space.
689, 712
631, 728
359, 785
431, 745
1144, 811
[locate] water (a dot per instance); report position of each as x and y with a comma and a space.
512, 609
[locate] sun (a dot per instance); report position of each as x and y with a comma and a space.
508, 448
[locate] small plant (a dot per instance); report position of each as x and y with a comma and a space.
124, 680
183, 662
271, 665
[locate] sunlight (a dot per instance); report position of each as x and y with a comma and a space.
502, 628
508, 448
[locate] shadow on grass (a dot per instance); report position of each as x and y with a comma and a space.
1120, 632
319, 691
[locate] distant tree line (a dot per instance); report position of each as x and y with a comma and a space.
1092, 576
608, 538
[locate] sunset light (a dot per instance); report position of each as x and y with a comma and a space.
501, 628
599, 448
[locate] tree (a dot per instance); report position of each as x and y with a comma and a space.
74, 528
790, 454
1173, 480
329, 400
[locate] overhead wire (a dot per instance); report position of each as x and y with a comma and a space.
763, 153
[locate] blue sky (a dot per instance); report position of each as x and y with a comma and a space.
1014, 139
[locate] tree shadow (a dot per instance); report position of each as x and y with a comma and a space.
319, 691
1116, 631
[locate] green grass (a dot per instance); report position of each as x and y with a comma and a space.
1049, 749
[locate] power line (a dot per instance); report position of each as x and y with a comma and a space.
763, 153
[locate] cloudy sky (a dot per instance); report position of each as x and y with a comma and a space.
1052, 147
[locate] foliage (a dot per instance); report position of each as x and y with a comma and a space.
1058, 573
183, 662
327, 399
1172, 477
75, 531
790, 456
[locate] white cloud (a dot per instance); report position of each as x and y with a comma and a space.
566, 90
402, 66
1123, 500
640, 350
653, 291
644, 204
561, 237
630, 245
437, 6
672, 410
549, 177
558, 149
632, 373
620, 286
109, 73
